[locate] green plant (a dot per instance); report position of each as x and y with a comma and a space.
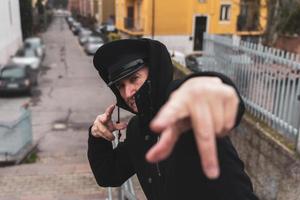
113, 36
31, 158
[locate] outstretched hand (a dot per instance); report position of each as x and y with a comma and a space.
204, 104
104, 126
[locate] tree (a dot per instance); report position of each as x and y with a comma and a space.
283, 18
26, 17
40, 7
60, 3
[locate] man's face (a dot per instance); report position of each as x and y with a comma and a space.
130, 85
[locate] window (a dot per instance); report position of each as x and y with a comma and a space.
225, 12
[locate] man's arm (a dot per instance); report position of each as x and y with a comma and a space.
111, 167
209, 104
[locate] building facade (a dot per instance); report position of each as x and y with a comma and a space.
73, 5
181, 24
102, 10
10, 31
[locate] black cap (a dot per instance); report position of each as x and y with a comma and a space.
121, 58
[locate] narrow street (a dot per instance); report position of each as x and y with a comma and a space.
69, 97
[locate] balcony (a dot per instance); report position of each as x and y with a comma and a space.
133, 26
246, 23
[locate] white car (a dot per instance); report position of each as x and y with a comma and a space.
84, 35
178, 57
92, 44
36, 44
27, 56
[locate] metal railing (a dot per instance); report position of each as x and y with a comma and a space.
15, 134
126, 191
267, 78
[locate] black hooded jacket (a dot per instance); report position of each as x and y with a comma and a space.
180, 176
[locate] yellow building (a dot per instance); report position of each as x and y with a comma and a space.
103, 10
180, 24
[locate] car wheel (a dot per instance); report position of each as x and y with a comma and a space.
36, 82
30, 91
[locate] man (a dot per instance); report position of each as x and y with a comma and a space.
176, 142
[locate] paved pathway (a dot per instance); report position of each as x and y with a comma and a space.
71, 93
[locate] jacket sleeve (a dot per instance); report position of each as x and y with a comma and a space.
111, 167
177, 83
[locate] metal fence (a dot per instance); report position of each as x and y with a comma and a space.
15, 134
267, 78
126, 191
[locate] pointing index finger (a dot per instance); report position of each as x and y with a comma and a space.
109, 110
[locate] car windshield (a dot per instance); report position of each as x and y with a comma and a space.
33, 43
26, 53
95, 40
13, 73
84, 33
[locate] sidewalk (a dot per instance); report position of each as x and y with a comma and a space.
70, 93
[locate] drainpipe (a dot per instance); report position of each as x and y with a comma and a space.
153, 19
298, 136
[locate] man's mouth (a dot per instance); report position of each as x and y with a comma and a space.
131, 103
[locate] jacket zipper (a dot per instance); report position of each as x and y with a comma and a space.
157, 164
151, 113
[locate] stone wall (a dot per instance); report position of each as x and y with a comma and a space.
273, 167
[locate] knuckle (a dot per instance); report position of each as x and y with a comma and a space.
204, 137
102, 118
95, 133
230, 94
174, 94
217, 80
228, 126
218, 127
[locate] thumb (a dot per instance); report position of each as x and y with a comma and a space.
120, 125
163, 148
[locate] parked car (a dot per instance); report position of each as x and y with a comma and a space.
76, 28
83, 36
106, 29
71, 22
14, 78
198, 62
27, 56
69, 19
194, 61
37, 44
177, 56
92, 44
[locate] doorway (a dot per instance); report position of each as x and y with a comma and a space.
200, 29
130, 17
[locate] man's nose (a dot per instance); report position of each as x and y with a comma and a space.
129, 90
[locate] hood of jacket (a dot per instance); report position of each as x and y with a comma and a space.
151, 96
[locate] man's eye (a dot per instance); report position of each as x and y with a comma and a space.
118, 86
133, 78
